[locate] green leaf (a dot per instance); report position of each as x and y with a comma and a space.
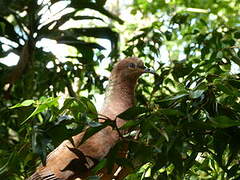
90, 108
93, 130
132, 177
100, 32
59, 131
220, 142
234, 56
2, 29
9, 30
39, 108
224, 122
174, 98
161, 131
220, 54
233, 170
189, 162
168, 35
170, 112
237, 35
23, 104
101, 2
130, 123
39, 143
86, 18
67, 104
99, 166
43, 104
196, 94
226, 88
132, 113
4, 168
50, 101
97, 7
72, 41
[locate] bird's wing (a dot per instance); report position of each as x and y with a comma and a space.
70, 160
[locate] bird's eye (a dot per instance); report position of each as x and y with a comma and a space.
131, 65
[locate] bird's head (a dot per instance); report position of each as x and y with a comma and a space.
129, 69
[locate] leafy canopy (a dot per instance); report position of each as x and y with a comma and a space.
186, 121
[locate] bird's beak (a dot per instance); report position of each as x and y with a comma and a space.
147, 70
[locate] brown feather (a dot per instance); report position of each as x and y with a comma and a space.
67, 162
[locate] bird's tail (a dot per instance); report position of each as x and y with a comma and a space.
43, 176
35, 176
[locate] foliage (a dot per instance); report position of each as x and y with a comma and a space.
192, 128
186, 122
23, 26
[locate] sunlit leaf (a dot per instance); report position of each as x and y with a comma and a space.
43, 104
24, 103
174, 98
196, 94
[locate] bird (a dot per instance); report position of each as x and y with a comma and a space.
73, 159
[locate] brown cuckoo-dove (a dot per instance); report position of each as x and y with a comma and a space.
68, 162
